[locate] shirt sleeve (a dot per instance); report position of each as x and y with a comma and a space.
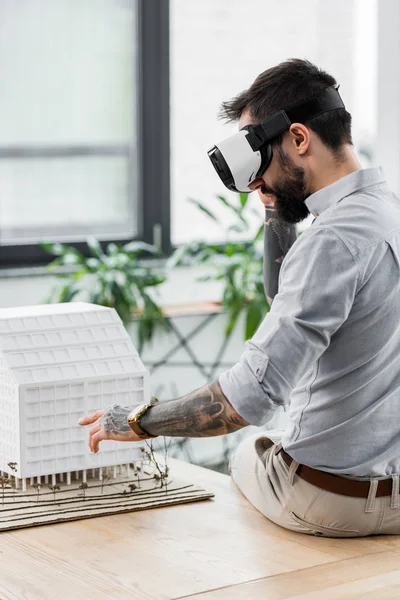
317, 287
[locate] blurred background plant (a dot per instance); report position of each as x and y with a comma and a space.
238, 265
113, 277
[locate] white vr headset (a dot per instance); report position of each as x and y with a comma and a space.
246, 155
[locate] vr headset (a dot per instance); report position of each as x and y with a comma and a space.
246, 155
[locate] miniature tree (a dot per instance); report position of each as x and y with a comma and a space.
4, 481
38, 486
54, 489
84, 486
13, 468
137, 471
152, 459
103, 482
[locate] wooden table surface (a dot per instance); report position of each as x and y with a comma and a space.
218, 549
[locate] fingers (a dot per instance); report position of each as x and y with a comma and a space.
92, 431
97, 432
95, 440
89, 419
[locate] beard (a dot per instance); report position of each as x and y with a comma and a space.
290, 191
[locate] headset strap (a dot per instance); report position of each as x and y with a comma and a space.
282, 120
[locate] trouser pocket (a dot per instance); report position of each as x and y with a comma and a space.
323, 530
262, 447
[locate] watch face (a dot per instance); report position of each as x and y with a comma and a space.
136, 412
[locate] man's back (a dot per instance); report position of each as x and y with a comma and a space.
330, 347
347, 407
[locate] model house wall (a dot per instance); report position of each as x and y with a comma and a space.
58, 363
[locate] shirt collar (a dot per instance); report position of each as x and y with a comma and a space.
355, 182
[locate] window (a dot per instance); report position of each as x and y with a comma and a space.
73, 151
92, 116
217, 50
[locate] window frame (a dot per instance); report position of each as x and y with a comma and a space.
151, 30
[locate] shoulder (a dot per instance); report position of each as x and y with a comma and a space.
363, 220
319, 253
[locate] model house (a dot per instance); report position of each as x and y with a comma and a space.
57, 363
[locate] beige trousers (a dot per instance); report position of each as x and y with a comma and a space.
289, 501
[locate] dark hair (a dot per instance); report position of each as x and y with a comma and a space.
289, 83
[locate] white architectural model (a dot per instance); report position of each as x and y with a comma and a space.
57, 363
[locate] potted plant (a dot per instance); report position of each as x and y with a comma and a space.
113, 277
238, 265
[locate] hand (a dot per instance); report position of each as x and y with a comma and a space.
109, 424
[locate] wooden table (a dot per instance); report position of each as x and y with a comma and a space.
221, 549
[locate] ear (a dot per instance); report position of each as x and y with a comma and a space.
300, 137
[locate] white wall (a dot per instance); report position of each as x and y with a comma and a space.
388, 142
218, 47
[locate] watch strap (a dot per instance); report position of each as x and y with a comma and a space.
136, 427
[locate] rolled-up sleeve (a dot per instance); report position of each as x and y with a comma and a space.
318, 283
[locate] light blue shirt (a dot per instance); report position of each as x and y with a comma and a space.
329, 349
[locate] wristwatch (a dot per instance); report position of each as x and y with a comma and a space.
134, 419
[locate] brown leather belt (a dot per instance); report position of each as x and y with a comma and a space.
334, 483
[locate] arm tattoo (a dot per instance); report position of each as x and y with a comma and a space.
205, 412
115, 420
279, 237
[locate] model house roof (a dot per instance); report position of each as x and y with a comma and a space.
57, 342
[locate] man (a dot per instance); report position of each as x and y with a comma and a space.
329, 349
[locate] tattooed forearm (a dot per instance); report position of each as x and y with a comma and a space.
279, 237
115, 420
203, 413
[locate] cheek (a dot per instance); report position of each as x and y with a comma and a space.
261, 196
272, 173
267, 200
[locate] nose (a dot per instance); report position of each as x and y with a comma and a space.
256, 184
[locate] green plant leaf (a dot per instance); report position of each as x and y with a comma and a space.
236, 209
67, 255
136, 247
67, 292
255, 212
95, 247
233, 318
112, 249
54, 264
237, 228
70, 258
53, 248
243, 197
254, 317
124, 312
92, 263
260, 233
152, 317
178, 257
226, 203
153, 279
116, 279
204, 209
